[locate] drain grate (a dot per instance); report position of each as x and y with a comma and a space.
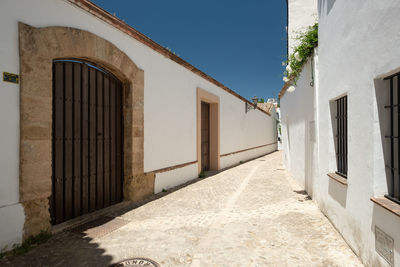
99, 227
137, 262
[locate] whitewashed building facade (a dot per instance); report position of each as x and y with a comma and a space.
100, 113
339, 137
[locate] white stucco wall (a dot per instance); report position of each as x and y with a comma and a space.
299, 127
357, 47
169, 108
302, 13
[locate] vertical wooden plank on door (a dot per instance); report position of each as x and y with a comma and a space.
113, 145
106, 110
396, 182
100, 141
92, 139
68, 109
119, 141
77, 174
205, 136
85, 139
58, 143
338, 136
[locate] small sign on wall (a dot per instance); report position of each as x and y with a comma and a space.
10, 77
384, 245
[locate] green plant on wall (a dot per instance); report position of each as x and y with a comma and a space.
308, 40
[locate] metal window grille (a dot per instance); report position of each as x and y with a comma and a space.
393, 138
341, 126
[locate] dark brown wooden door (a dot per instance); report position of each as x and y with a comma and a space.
205, 136
87, 139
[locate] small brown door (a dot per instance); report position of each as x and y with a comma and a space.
87, 139
205, 136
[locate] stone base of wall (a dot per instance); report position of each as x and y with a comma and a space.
139, 186
36, 217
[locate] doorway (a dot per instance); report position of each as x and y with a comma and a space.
87, 141
205, 136
208, 137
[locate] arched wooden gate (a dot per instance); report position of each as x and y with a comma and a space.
87, 142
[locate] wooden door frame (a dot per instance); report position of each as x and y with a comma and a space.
213, 101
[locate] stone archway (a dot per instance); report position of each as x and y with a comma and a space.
38, 47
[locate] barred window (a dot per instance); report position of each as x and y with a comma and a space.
341, 135
393, 137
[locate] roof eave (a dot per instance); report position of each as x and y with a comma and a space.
117, 23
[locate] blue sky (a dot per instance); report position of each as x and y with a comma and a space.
240, 43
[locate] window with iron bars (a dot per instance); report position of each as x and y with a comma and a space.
341, 135
393, 138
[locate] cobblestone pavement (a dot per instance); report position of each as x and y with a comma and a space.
249, 215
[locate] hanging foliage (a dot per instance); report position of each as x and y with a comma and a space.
308, 40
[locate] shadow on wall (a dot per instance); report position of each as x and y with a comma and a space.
382, 93
307, 160
285, 138
336, 190
390, 225
309, 145
325, 5
386, 221
333, 110
287, 132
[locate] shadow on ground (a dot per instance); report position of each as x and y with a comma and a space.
76, 251
77, 246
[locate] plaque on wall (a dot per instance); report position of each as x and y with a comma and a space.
384, 245
10, 77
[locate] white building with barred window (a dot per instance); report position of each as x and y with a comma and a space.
340, 127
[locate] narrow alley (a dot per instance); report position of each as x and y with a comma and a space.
249, 215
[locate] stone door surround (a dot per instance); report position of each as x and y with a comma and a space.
38, 47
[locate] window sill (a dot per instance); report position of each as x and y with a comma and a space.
338, 178
387, 204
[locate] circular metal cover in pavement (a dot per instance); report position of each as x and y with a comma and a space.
137, 262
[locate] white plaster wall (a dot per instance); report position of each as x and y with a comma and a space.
298, 128
11, 222
357, 47
234, 159
302, 13
166, 180
11, 212
240, 130
169, 108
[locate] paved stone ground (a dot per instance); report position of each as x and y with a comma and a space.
249, 215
